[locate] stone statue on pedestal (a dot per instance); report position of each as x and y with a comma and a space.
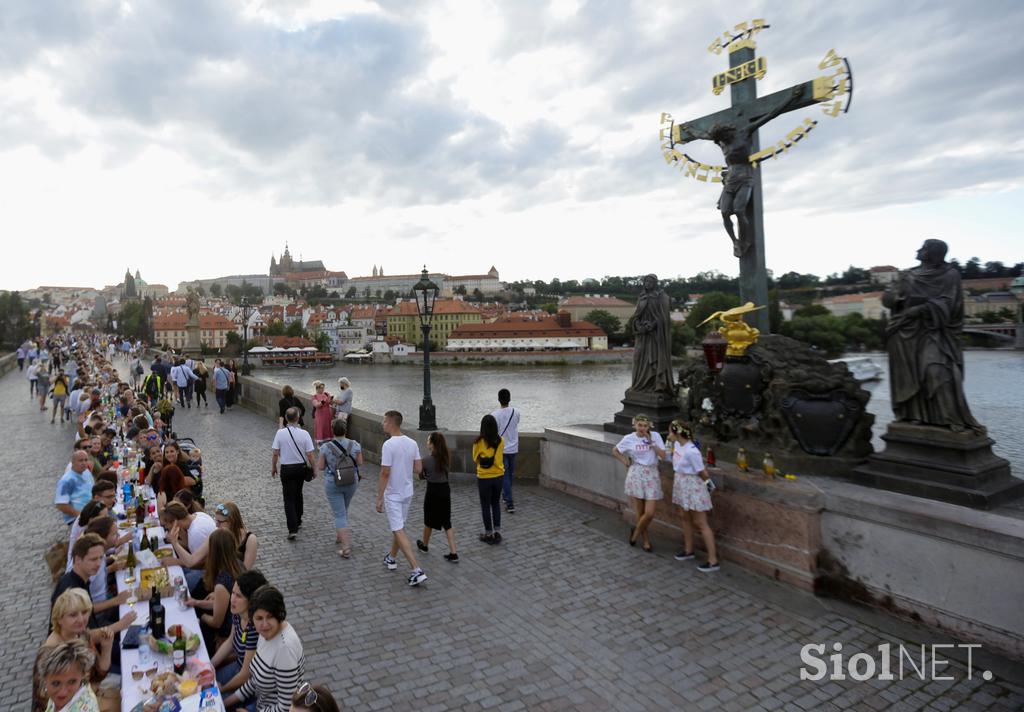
652, 392
652, 327
934, 448
926, 363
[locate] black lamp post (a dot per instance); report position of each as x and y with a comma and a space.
246, 313
426, 294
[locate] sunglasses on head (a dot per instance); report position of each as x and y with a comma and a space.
309, 696
221, 509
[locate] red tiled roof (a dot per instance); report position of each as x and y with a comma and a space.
176, 322
441, 306
524, 329
286, 342
847, 298
583, 301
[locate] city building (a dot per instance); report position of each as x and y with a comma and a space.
580, 305
284, 265
868, 305
403, 322
401, 284
552, 334
468, 284
994, 302
883, 274
169, 329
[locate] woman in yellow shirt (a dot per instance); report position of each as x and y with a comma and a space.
60, 390
490, 473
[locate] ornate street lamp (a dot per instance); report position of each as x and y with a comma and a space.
426, 294
247, 310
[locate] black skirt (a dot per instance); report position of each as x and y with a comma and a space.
437, 506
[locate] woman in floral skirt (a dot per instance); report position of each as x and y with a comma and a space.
639, 452
690, 492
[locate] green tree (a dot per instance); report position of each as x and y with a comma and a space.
130, 321
550, 308
351, 292
275, 328
323, 342
216, 290
682, 337
605, 321
460, 290
294, 329
389, 295
706, 306
812, 310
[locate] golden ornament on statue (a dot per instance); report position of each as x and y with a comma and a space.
737, 332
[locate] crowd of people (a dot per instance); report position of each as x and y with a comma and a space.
257, 654
298, 458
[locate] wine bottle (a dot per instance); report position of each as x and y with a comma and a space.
130, 563
144, 542
157, 615
178, 654
140, 512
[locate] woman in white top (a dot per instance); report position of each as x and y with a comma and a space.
690, 491
639, 452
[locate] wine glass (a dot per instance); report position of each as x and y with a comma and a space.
133, 598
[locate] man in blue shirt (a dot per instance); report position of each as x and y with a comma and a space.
74, 488
220, 384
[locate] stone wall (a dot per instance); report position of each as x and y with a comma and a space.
365, 427
8, 363
953, 568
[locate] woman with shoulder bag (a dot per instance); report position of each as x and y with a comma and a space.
340, 460
490, 474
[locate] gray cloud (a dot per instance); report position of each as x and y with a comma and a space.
329, 112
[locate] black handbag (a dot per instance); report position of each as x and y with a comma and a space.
307, 471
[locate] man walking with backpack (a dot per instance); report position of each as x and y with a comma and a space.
508, 430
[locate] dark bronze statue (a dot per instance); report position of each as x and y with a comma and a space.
652, 327
736, 142
926, 363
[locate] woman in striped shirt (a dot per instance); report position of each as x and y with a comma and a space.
278, 666
235, 654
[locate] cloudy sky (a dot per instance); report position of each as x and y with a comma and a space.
192, 139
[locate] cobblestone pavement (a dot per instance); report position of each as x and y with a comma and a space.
563, 615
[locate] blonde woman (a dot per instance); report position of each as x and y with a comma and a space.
639, 452
64, 671
323, 413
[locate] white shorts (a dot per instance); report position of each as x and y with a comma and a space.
397, 511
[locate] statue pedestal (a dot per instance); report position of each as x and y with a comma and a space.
661, 408
932, 462
193, 342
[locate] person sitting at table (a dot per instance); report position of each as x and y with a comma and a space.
211, 597
225, 516
278, 666
86, 557
313, 698
69, 620
170, 481
92, 509
186, 533
64, 672
234, 655
153, 461
186, 497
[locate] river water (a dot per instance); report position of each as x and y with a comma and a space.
567, 395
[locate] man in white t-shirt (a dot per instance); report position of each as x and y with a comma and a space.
508, 429
292, 447
399, 462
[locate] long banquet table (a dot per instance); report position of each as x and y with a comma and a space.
135, 691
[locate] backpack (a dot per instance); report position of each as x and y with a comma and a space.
346, 471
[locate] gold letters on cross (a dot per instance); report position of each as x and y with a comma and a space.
757, 68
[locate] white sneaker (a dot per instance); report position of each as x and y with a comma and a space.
417, 577
390, 563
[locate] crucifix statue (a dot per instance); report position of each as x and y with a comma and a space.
735, 131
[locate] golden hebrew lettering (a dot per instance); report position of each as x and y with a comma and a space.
665, 117
833, 109
821, 88
783, 147
691, 169
703, 176
764, 155
740, 27
716, 46
831, 59
841, 87
717, 177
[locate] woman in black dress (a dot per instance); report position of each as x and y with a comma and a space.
437, 504
288, 400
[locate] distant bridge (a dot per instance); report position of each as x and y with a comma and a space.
1001, 332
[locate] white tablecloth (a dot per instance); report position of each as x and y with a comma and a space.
132, 691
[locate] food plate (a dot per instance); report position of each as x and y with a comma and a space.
156, 576
164, 646
163, 551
